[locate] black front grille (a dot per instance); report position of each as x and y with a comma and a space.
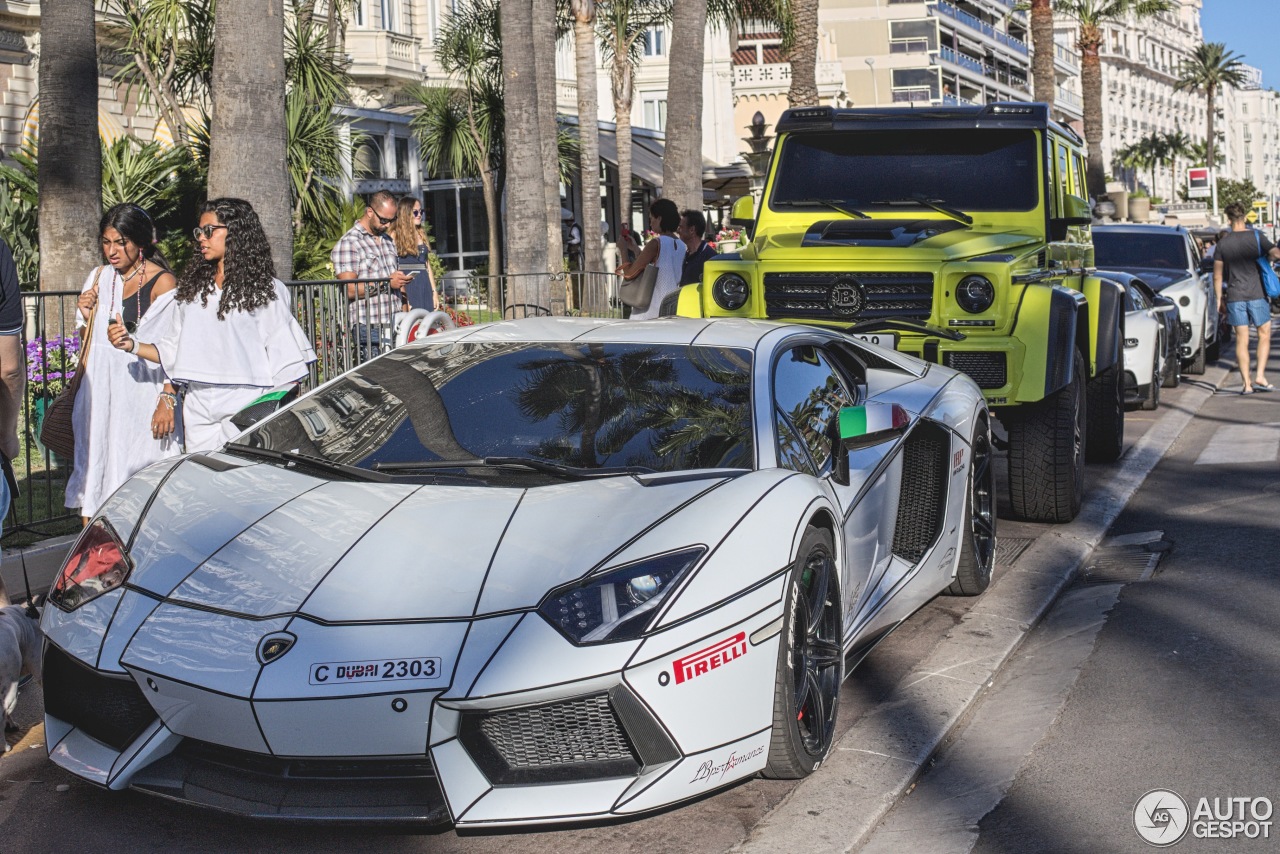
988, 370
1185, 332
254, 784
809, 295
107, 706
922, 501
578, 739
669, 304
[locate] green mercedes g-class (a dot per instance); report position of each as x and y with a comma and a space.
956, 234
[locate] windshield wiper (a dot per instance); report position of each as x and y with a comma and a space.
939, 205
353, 472
837, 205
558, 469
905, 324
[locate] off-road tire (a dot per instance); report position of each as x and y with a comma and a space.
810, 651
1046, 452
1197, 364
1212, 352
978, 531
1152, 400
1173, 371
1104, 435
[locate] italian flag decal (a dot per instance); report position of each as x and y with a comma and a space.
858, 421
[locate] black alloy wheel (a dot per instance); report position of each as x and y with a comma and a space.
978, 543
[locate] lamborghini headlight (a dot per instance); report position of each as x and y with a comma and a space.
619, 604
97, 564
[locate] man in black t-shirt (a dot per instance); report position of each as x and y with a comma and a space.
13, 371
692, 231
1237, 284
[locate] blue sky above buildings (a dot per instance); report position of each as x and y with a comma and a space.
1247, 27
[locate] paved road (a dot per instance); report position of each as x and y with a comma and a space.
1168, 683
30, 805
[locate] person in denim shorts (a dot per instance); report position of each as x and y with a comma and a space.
1237, 284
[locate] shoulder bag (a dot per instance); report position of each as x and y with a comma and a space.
638, 292
57, 431
1270, 281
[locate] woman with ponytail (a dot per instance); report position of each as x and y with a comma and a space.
124, 412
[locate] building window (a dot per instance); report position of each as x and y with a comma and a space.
916, 84
655, 113
366, 160
655, 41
402, 158
358, 13
390, 15
913, 36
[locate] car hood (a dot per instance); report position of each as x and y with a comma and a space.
260, 540
887, 240
1156, 279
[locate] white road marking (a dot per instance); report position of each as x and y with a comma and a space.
1242, 443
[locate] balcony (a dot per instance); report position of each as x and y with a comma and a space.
1066, 56
1068, 99
942, 7
953, 56
379, 53
989, 72
775, 78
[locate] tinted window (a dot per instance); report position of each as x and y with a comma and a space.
808, 394
1138, 298
973, 170
1134, 249
665, 407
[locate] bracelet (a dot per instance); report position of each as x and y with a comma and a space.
169, 398
133, 345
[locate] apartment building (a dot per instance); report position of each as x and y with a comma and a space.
1251, 139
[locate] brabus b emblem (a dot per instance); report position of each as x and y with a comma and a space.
847, 297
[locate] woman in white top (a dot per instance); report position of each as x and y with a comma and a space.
231, 336
666, 251
123, 413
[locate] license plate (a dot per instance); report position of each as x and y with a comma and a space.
374, 670
887, 340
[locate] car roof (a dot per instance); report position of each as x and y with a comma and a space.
719, 332
1137, 228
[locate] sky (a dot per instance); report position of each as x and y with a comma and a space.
1247, 27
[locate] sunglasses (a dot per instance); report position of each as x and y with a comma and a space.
417, 214
385, 220
205, 231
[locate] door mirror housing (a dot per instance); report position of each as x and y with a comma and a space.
743, 211
265, 405
859, 427
1075, 211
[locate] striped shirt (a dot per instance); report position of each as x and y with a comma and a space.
369, 256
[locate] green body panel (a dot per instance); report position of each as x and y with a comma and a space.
1015, 250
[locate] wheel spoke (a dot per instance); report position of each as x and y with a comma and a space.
822, 654
818, 714
817, 594
804, 686
982, 526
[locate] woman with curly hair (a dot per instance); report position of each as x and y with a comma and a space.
123, 415
232, 336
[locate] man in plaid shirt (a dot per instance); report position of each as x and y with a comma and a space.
368, 252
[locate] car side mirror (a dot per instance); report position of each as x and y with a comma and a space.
1164, 309
265, 405
1075, 211
859, 427
743, 212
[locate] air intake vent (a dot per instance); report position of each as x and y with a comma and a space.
108, 707
988, 370
922, 502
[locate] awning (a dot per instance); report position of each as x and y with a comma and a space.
646, 155
108, 126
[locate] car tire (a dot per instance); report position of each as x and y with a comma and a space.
1197, 364
1104, 436
978, 541
1152, 400
1172, 370
1212, 352
1046, 453
810, 668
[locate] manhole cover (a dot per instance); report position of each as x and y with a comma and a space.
1009, 549
1122, 564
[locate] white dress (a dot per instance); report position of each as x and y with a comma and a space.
113, 409
227, 364
670, 261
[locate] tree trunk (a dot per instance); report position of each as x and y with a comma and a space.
682, 158
544, 55
623, 91
526, 250
70, 167
803, 55
1042, 44
588, 133
247, 132
1091, 84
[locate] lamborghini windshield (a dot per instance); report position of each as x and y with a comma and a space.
962, 170
625, 407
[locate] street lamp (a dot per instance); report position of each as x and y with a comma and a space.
875, 91
758, 157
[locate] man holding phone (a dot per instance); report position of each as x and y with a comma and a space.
366, 252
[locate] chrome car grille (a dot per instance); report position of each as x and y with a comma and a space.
848, 296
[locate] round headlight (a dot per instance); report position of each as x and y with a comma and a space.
975, 294
730, 291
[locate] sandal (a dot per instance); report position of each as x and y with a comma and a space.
1247, 391
1263, 387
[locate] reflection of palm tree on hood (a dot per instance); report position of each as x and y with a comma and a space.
422, 403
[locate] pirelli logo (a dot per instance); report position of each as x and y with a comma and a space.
705, 660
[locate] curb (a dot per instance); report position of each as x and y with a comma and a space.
39, 563
876, 762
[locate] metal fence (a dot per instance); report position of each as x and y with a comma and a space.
344, 333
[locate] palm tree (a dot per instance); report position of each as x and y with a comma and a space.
621, 26
544, 62
1200, 155
248, 137
1132, 158
461, 129
800, 46
1092, 16
1157, 154
70, 167
1178, 145
584, 50
526, 236
1042, 43
682, 157
1211, 67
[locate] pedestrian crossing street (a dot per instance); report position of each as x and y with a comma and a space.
1242, 443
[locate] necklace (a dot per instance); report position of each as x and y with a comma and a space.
124, 280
